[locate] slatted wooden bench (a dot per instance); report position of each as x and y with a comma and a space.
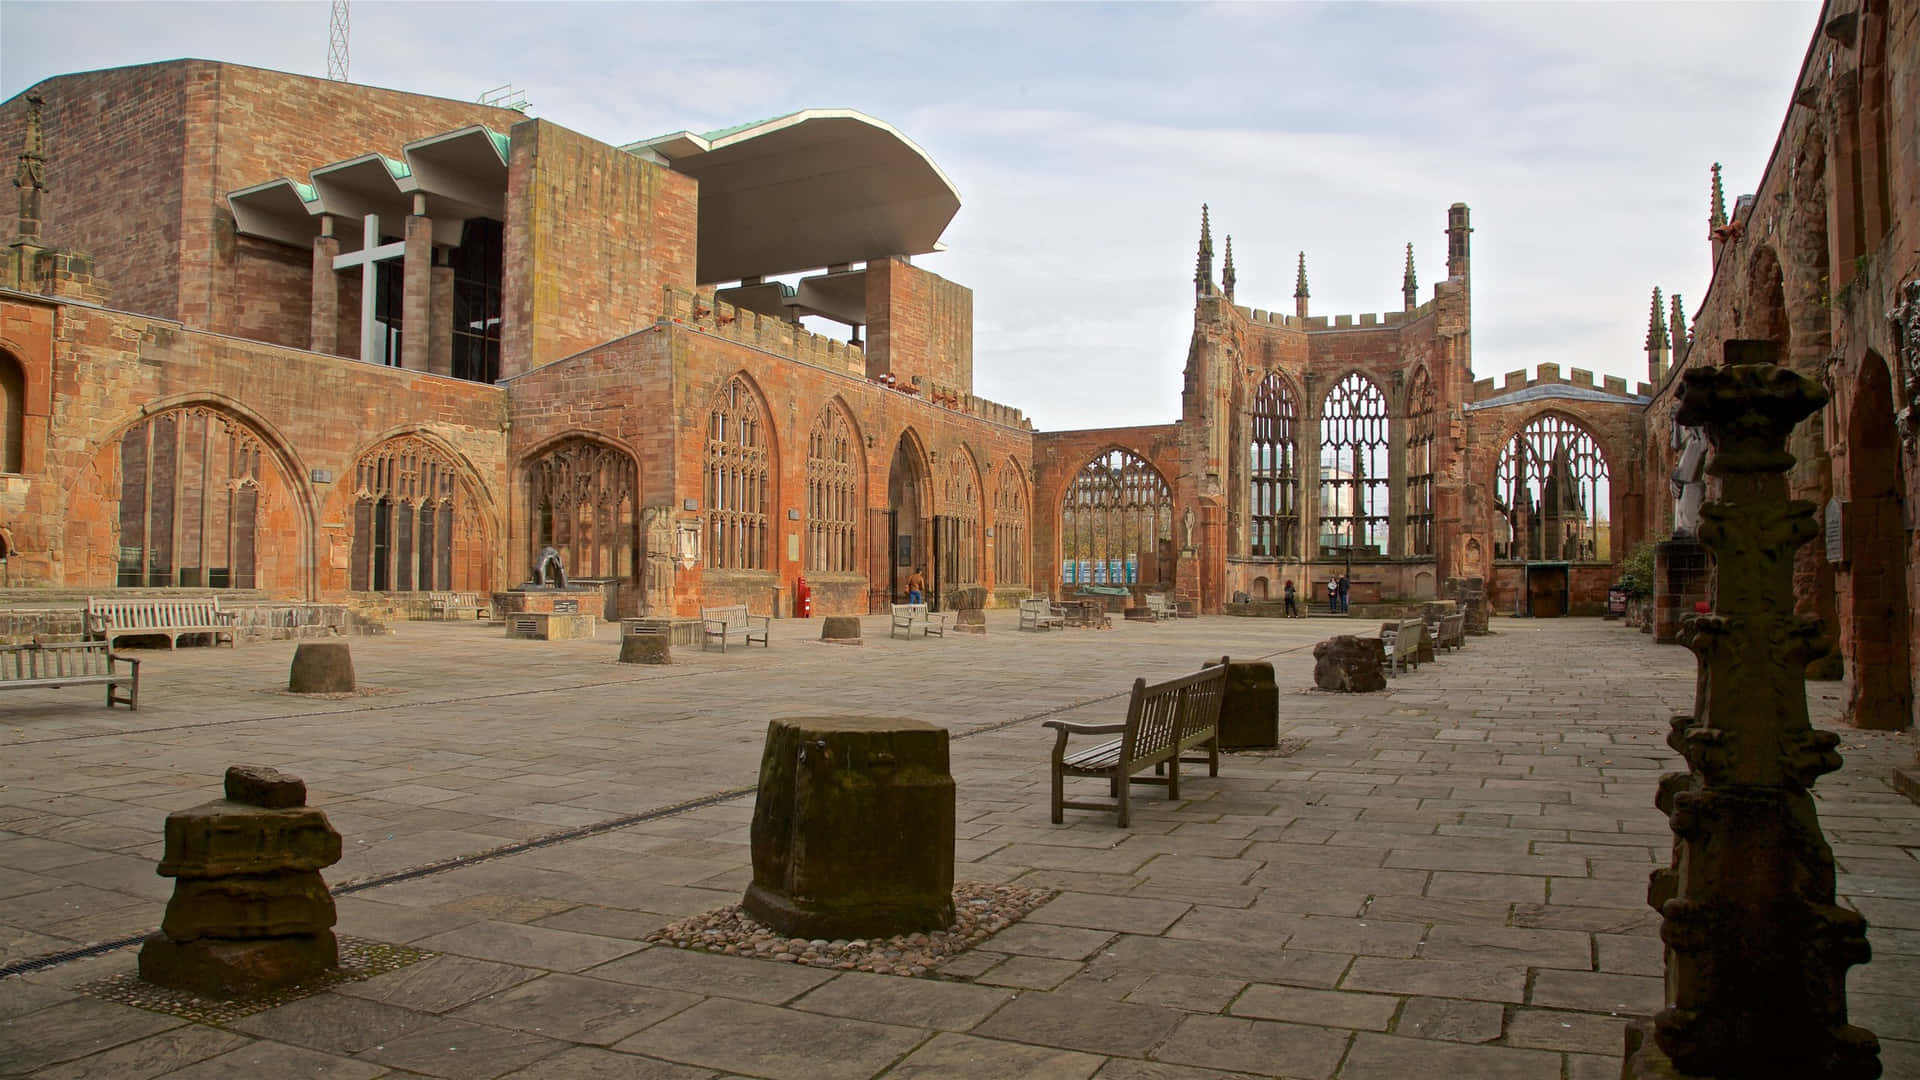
1161, 605
723, 624
174, 618
79, 663
458, 605
1039, 613
909, 617
1401, 641
1449, 631
1164, 720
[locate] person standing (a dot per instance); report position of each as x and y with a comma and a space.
1343, 594
916, 587
1333, 597
1293, 609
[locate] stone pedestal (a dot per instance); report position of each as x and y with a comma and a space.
853, 828
840, 630
321, 667
591, 602
249, 911
647, 647
970, 621
546, 626
1472, 596
1250, 709
1350, 665
678, 631
1680, 571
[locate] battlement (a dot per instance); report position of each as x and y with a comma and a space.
1549, 375
764, 332
1366, 321
950, 397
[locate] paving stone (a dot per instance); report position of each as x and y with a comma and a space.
1465, 886
261, 1059
439, 984
577, 1009
1296, 967
1450, 1019
335, 1023
1624, 995
1385, 1057
1258, 1046
1029, 972
1188, 993
705, 973
919, 1003
1627, 955
72, 1029
1130, 1069
145, 1058
781, 1044
1326, 1008
462, 1051
1530, 948
530, 946
1103, 1027
606, 922
1641, 921
592, 1063
950, 1055
1122, 913
1478, 980
1555, 1030
1042, 939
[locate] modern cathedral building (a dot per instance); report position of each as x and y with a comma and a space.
329, 342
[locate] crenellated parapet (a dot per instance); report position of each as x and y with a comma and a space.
1547, 381
764, 332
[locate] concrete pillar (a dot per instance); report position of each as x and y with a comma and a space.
416, 304
323, 320
440, 339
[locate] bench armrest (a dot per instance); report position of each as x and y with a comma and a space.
1069, 727
764, 621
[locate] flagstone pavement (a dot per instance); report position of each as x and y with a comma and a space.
1448, 880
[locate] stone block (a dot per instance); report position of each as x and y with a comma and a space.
970, 621
1250, 709
265, 787
1350, 665
244, 907
853, 828
321, 667
220, 839
646, 648
549, 626
230, 969
840, 629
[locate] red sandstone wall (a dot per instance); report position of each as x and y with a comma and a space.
592, 236
1058, 456
918, 324
107, 369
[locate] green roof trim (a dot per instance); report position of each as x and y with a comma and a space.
305, 191
399, 169
722, 133
502, 143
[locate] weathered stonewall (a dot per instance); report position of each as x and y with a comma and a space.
853, 828
1757, 949
1350, 665
321, 667
249, 911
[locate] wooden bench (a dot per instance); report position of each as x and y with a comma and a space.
1161, 605
80, 663
1401, 641
1164, 720
907, 617
1449, 631
1039, 613
733, 621
458, 605
175, 618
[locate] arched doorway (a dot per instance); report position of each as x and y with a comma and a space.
909, 519
1879, 649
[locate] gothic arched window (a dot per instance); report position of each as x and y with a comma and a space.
1553, 489
1116, 523
13, 414
739, 486
1273, 507
406, 501
959, 523
1420, 431
1010, 528
1353, 467
584, 499
833, 494
190, 481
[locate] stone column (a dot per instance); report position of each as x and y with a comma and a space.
440, 337
416, 302
1757, 949
323, 320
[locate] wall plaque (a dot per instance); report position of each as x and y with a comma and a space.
1836, 534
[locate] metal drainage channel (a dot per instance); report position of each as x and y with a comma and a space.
84, 952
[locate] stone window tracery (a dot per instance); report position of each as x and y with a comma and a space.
1420, 432
833, 494
738, 485
1552, 495
1353, 467
1116, 523
407, 502
959, 523
583, 496
1010, 529
190, 506
1273, 506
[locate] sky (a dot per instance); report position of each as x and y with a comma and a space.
1084, 137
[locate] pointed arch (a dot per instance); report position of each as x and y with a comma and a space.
1419, 462
1010, 526
1273, 471
583, 500
1354, 439
740, 471
1116, 522
1553, 493
420, 519
13, 413
836, 491
958, 532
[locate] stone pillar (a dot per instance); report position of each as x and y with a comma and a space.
1757, 949
416, 301
249, 911
1681, 570
440, 326
323, 319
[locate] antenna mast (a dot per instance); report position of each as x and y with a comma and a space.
337, 42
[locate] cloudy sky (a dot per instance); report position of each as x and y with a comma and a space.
1084, 137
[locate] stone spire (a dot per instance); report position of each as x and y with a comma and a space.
1300, 293
1226, 271
1203, 265
1657, 351
31, 178
1717, 206
1677, 329
1410, 285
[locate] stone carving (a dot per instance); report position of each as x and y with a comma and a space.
1186, 528
1689, 478
1757, 949
547, 573
249, 911
1350, 665
686, 539
657, 529
1904, 320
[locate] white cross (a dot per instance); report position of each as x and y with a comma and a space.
371, 252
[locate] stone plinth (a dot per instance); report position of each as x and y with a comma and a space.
1350, 665
679, 631
589, 602
647, 647
249, 911
840, 629
321, 667
546, 626
1250, 709
1471, 593
970, 621
1680, 571
853, 828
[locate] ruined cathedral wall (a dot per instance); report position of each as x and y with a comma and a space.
312, 417
1058, 457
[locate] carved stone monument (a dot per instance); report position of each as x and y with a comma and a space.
1472, 595
1350, 665
249, 911
853, 828
1757, 951
1689, 479
657, 526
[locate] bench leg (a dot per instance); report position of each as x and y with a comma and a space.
1173, 777
1120, 784
1213, 756
1059, 794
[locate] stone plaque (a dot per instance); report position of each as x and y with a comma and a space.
1836, 531
566, 607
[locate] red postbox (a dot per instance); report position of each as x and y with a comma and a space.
802, 600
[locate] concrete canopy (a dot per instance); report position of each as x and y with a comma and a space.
817, 188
